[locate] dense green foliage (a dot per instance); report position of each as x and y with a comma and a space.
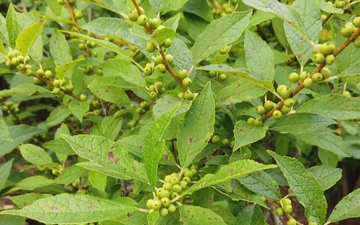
179, 112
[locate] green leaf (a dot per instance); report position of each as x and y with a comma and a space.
109, 89
4, 132
240, 90
259, 57
5, 170
57, 116
326, 175
27, 199
128, 77
28, 36
181, 53
228, 172
198, 8
228, 29
195, 215
246, 134
35, 154
157, 5
24, 89
160, 35
305, 187
18, 134
261, 183
172, 5
70, 174
333, 106
98, 180
165, 103
154, 144
250, 215
78, 108
107, 157
326, 139
12, 220
59, 48
198, 127
299, 123
111, 126
70, 208
54, 6
12, 25
33, 182
348, 207
328, 8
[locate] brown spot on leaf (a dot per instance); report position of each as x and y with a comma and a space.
54, 208
111, 155
190, 140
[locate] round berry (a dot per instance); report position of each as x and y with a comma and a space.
142, 20
149, 203
215, 139
260, 110
285, 93
289, 102
303, 75
224, 49
154, 23
319, 58
346, 94
288, 208
279, 212
347, 30
183, 184
164, 212
133, 15
326, 48
156, 204
159, 59
150, 47
78, 14
167, 186
40, 72
165, 201
174, 195
187, 172
174, 180
48, 74
340, 4
293, 77
182, 74
171, 208
83, 97
277, 114
326, 72
161, 68
280, 88
250, 121
285, 110
258, 122
291, 221
186, 81
212, 73
153, 94
222, 76
225, 142
187, 179
330, 59
170, 58
316, 77
308, 82
188, 95
356, 22
167, 43
268, 105
357, 42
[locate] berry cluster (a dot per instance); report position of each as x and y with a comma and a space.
174, 184
226, 8
14, 58
218, 76
286, 208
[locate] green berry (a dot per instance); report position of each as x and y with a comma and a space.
303, 75
56, 90
215, 139
357, 42
165, 201
153, 94
312, 223
133, 15
212, 73
164, 212
167, 186
154, 23
156, 204
149, 203
142, 20
326, 72
280, 88
347, 30
319, 58
83, 97
308, 82
172, 208
187, 179
48, 74
167, 43
187, 172
285, 93
356, 22
225, 142
131, 124
182, 74
222, 76
159, 59
330, 59
326, 48
260, 110
40, 72
285, 201
36, 80
224, 49
174, 195
291, 221
279, 212
170, 58
60, 2
340, 4
250, 121
188, 95
277, 114
161, 68
186, 81
289, 102
78, 14
293, 77
268, 105
316, 77
15, 61
150, 47
258, 122
346, 94
287, 208
174, 180
183, 184
285, 110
